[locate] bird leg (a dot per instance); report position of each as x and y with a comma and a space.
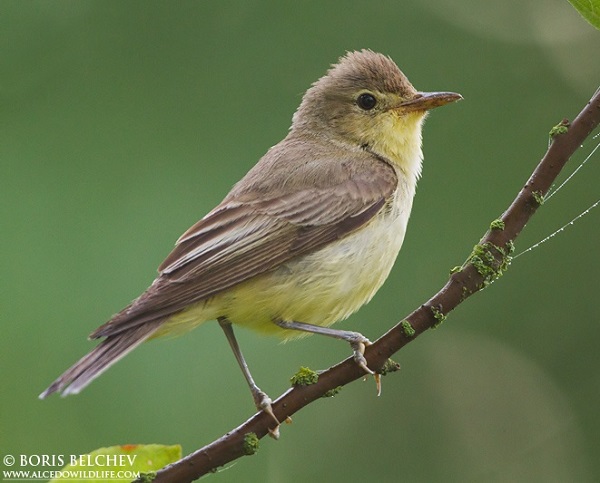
357, 341
261, 399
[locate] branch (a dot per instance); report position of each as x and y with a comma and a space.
488, 260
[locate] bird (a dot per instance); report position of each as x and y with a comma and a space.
304, 239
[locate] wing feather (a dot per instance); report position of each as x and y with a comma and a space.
250, 233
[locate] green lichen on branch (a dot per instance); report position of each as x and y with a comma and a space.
332, 392
407, 328
304, 377
538, 196
147, 477
389, 367
250, 444
497, 224
509, 249
490, 260
439, 317
561, 128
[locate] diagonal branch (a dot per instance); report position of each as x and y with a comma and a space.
489, 259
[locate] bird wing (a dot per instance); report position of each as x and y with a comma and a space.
250, 233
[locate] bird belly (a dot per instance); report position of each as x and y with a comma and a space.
318, 288
322, 287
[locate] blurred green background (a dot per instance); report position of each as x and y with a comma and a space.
122, 123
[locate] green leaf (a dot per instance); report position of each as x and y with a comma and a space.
118, 463
589, 9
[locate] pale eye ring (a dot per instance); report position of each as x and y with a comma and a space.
366, 101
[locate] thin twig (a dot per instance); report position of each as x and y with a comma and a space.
490, 257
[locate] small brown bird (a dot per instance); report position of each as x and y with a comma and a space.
305, 238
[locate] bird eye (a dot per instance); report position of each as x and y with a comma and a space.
366, 101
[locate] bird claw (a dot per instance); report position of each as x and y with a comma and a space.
359, 346
378, 383
274, 433
264, 403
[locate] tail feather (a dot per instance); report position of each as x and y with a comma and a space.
104, 355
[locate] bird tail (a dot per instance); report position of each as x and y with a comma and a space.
104, 355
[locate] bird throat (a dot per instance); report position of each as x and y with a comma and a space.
399, 141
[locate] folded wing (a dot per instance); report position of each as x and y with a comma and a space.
251, 233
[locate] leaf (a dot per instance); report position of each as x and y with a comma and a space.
118, 463
589, 9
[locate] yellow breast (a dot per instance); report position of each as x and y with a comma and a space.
330, 284
322, 287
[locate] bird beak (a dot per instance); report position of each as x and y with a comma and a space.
424, 101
